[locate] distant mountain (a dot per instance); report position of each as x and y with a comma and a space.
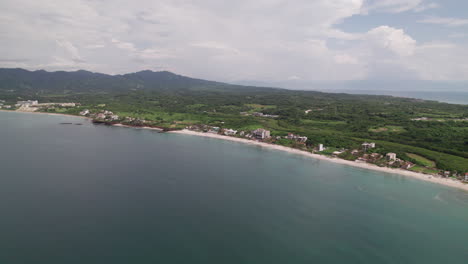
22, 80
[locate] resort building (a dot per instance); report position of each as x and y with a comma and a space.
27, 103
391, 156
261, 133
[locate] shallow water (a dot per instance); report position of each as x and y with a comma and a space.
97, 194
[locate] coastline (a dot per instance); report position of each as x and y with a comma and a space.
416, 175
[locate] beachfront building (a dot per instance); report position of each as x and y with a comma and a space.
320, 147
296, 138
466, 177
27, 103
84, 112
261, 133
230, 132
391, 156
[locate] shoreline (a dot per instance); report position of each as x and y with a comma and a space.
368, 166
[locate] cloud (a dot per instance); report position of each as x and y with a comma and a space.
221, 40
445, 21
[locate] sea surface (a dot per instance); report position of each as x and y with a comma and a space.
97, 194
451, 97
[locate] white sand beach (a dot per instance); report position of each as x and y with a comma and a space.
420, 176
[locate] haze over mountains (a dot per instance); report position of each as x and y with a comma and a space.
85, 81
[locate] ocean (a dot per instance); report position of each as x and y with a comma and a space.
444, 96
97, 194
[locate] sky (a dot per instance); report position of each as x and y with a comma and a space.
263, 40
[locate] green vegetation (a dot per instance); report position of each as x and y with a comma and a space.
421, 160
336, 120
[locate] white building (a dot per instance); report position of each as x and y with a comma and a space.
320, 147
391, 156
68, 105
261, 133
84, 112
230, 132
27, 103
367, 146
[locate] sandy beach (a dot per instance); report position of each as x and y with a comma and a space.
420, 176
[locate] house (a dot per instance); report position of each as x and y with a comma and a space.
391, 156
242, 133
308, 111
367, 146
114, 117
230, 132
355, 152
101, 116
296, 138
320, 147
84, 112
466, 177
407, 165
261, 133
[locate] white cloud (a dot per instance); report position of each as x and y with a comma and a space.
222, 40
446, 21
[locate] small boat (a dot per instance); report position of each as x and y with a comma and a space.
66, 123
78, 124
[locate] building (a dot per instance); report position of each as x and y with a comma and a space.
68, 105
27, 103
296, 138
230, 132
100, 116
320, 147
367, 146
308, 111
84, 112
466, 177
261, 133
391, 156
114, 117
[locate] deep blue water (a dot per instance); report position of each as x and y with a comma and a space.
97, 194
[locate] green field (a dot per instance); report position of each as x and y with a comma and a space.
421, 160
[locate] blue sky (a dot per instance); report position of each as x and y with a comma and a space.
261, 40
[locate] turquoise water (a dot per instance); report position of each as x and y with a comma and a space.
97, 194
